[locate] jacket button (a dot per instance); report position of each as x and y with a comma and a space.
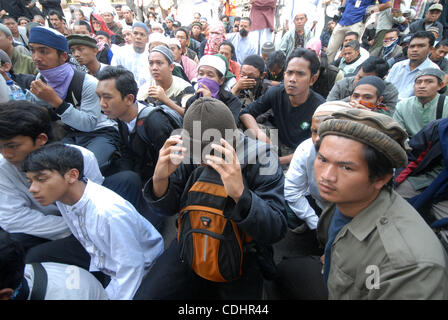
384, 220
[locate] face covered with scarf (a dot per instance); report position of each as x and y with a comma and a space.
390, 41
215, 38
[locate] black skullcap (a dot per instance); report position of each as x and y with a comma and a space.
255, 61
375, 81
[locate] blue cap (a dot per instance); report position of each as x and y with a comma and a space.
48, 37
139, 24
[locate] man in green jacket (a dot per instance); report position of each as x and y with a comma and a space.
376, 245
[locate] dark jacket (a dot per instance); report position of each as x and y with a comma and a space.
427, 152
260, 212
15, 8
138, 155
419, 25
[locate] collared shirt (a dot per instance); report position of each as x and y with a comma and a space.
403, 77
121, 243
413, 116
387, 251
135, 62
355, 12
20, 213
244, 47
300, 182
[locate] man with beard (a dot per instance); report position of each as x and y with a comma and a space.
242, 41
293, 104
135, 58
252, 83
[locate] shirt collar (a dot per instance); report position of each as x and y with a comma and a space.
365, 222
78, 206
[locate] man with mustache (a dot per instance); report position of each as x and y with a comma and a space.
416, 112
403, 73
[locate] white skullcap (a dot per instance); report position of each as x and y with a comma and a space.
157, 37
215, 62
174, 41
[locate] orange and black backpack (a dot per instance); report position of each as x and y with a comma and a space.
210, 243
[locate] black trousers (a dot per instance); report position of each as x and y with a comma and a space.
27, 241
67, 250
300, 278
172, 279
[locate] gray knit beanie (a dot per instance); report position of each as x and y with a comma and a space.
374, 129
205, 121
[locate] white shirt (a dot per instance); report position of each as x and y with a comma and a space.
67, 282
121, 242
135, 62
20, 213
403, 78
131, 124
300, 182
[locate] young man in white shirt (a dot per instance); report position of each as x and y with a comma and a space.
300, 183
135, 57
121, 243
40, 229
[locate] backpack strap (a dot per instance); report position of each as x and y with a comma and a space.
440, 104
139, 128
40, 282
74, 91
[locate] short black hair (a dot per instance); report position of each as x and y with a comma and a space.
12, 262
393, 30
247, 19
424, 34
308, 55
228, 43
377, 65
8, 17
184, 30
24, 118
55, 157
379, 165
442, 43
276, 58
351, 33
124, 79
83, 23
54, 12
118, 6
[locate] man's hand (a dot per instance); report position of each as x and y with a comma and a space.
243, 84
45, 92
4, 74
357, 105
205, 91
157, 92
170, 157
228, 168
